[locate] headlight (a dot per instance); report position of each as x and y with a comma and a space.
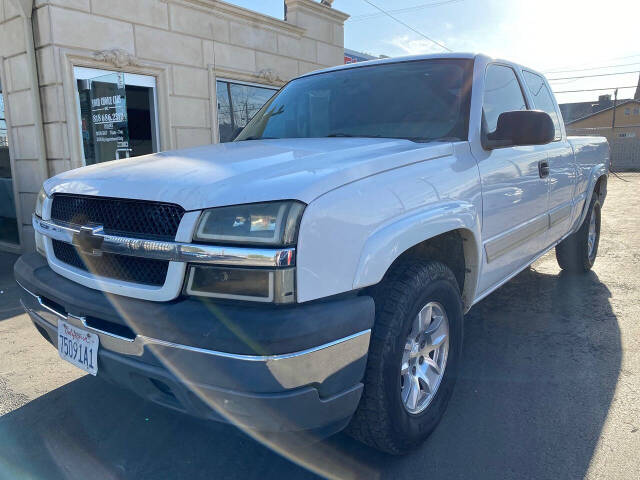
270, 223
40, 202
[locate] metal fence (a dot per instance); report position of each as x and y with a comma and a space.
624, 143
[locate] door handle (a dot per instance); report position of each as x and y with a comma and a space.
543, 168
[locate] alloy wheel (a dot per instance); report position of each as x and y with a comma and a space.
424, 358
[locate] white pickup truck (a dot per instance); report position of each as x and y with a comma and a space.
313, 274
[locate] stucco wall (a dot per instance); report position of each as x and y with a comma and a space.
23, 115
184, 44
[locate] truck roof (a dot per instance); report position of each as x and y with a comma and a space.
406, 58
409, 58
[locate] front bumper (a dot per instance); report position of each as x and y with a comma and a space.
268, 368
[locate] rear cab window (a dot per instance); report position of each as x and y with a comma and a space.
542, 99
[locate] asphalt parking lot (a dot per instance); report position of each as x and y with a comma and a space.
550, 389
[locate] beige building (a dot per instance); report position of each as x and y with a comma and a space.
86, 81
623, 132
627, 121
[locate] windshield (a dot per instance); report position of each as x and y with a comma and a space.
422, 100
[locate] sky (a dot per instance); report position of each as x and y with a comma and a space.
561, 38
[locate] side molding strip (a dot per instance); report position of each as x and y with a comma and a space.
559, 214
514, 238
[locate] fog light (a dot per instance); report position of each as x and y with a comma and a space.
258, 285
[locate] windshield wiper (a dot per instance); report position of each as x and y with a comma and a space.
412, 139
254, 137
418, 139
341, 134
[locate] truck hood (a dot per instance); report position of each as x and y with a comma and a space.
244, 172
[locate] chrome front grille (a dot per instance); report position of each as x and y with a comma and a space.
118, 267
121, 217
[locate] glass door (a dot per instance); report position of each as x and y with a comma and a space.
8, 220
118, 116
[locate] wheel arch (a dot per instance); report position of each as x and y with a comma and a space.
597, 183
601, 187
449, 234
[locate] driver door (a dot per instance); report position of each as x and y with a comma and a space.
515, 197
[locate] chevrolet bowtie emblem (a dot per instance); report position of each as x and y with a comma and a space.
88, 241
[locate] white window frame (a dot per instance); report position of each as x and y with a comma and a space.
214, 97
134, 79
77, 57
249, 84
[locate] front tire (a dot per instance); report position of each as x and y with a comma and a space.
577, 253
414, 356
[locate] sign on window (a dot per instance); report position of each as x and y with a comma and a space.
109, 113
117, 114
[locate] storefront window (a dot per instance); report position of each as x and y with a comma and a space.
118, 115
8, 221
237, 104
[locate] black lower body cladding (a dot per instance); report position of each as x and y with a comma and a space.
199, 322
268, 367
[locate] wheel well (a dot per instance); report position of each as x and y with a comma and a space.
601, 188
456, 249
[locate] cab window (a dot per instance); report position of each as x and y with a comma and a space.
502, 93
542, 99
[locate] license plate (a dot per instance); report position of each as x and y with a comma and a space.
78, 347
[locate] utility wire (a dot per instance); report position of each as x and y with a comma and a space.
556, 70
592, 76
359, 18
409, 26
594, 89
593, 68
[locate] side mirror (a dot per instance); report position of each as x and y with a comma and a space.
520, 127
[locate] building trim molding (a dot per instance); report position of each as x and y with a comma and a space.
267, 77
318, 9
117, 57
237, 13
270, 76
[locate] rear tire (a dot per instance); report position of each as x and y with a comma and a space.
577, 253
411, 291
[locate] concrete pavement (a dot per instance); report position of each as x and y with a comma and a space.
550, 389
